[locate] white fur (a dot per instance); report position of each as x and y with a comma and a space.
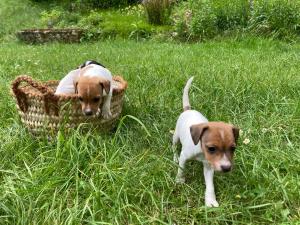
224, 162
66, 85
190, 150
185, 99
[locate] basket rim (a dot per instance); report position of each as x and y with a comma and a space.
121, 87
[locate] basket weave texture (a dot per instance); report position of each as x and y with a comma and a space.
41, 111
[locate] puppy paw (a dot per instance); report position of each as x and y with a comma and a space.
175, 159
211, 202
106, 114
180, 180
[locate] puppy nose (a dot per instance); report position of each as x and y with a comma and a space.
88, 112
226, 168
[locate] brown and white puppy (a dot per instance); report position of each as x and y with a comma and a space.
91, 83
212, 143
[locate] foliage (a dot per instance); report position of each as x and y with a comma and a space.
92, 3
116, 23
51, 18
205, 19
57, 17
128, 22
133, 10
94, 18
278, 18
233, 14
203, 22
158, 11
16, 15
202, 19
108, 3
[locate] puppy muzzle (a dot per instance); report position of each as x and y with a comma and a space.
226, 168
88, 112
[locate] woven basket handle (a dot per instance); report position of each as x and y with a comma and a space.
37, 85
21, 96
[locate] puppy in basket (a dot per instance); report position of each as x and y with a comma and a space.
91, 82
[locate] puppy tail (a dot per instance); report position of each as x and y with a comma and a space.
185, 98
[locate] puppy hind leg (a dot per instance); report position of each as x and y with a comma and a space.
174, 142
180, 173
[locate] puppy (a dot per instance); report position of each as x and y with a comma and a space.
212, 143
91, 81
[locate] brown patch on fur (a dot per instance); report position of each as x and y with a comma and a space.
90, 94
106, 85
197, 131
218, 141
90, 91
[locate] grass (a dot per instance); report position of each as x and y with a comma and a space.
129, 179
15, 15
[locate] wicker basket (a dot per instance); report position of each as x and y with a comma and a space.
41, 111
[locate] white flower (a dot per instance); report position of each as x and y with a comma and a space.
264, 130
241, 132
246, 141
238, 196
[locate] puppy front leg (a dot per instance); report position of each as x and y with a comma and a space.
210, 196
106, 113
180, 174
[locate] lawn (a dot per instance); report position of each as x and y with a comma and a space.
128, 177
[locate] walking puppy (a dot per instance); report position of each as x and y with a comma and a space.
212, 143
91, 81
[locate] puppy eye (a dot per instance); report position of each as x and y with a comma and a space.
80, 99
232, 148
212, 150
96, 99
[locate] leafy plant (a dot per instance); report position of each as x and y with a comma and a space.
107, 3
158, 11
133, 10
203, 22
233, 14
93, 19
202, 19
277, 18
52, 17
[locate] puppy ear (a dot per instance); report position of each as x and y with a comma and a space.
75, 86
236, 133
197, 131
106, 85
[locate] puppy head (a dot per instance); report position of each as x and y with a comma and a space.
218, 142
90, 93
